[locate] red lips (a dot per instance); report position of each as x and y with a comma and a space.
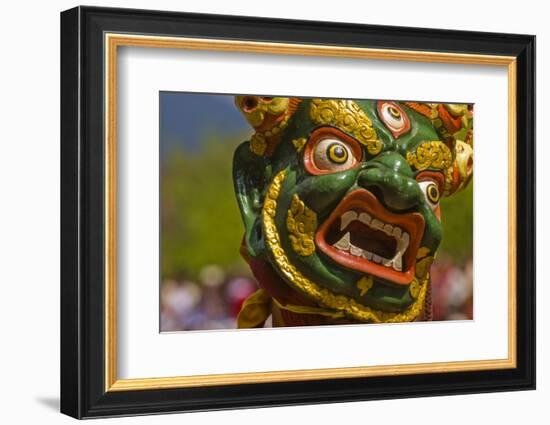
376, 237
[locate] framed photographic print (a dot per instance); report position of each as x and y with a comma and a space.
261, 212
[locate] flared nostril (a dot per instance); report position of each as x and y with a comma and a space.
377, 192
397, 193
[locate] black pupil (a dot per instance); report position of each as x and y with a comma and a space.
433, 192
338, 152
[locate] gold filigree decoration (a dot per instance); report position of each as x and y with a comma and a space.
364, 284
299, 143
464, 159
459, 174
349, 117
259, 141
433, 154
415, 288
321, 295
449, 180
268, 116
422, 252
301, 222
423, 267
258, 144
261, 107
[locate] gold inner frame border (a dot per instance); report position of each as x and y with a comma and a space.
113, 40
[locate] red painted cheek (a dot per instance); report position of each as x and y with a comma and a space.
437, 212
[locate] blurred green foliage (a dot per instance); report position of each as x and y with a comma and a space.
457, 217
200, 219
201, 224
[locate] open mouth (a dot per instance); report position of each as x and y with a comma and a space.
361, 234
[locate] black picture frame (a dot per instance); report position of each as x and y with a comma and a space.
83, 392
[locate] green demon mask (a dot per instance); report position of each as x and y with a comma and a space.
340, 203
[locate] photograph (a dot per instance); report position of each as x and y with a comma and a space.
287, 211
260, 212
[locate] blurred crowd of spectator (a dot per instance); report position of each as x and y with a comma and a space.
214, 300
452, 290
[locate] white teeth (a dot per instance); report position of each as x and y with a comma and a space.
396, 263
402, 245
347, 218
358, 252
396, 232
344, 243
376, 224
365, 218
403, 242
402, 238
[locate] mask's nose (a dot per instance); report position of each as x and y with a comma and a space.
390, 178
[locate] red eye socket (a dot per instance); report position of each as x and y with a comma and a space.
394, 117
434, 176
330, 151
431, 184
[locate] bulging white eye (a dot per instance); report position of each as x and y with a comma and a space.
330, 150
430, 189
394, 117
333, 154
